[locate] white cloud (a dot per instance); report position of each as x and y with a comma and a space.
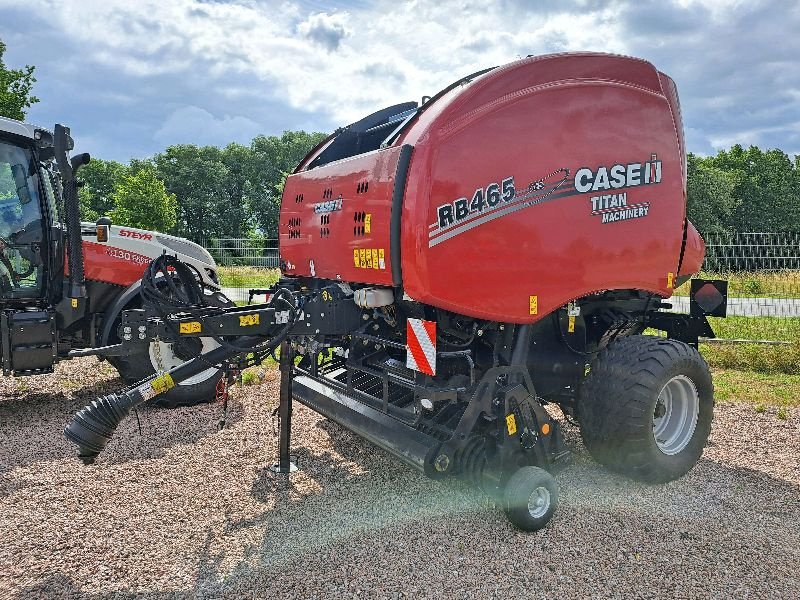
325, 29
757, 137
195, 125
427, 45
282, 65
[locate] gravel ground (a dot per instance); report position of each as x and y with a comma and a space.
185, 510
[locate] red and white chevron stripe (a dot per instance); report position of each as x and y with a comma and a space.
421, 346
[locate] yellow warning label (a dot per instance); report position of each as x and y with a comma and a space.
74, 302
571, 325
368, 223
670, 277
534, 305
248, 320
511, 424
369, 258
162, 383
190, 327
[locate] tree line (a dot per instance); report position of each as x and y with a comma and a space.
198, 192
744, 190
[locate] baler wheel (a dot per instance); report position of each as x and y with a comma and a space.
530, 498
646, 407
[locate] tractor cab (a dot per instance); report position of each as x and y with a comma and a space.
35, 302
31, 246
21, 224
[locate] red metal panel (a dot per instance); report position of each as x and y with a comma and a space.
563, 245
109, 264
337, 218
693, 253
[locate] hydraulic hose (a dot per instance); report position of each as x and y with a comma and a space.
94, 425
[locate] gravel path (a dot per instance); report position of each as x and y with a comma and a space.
189, 511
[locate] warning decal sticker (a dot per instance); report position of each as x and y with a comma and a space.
421, 346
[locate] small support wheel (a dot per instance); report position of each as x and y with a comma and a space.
530, 498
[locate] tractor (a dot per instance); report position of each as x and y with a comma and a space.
65, 283
459, 271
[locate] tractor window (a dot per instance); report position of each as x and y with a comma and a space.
365, 135
20, 224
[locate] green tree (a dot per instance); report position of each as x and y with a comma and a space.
236, 216
198, 177
141, 200
99, 177
711, 202
765, 190
15, 89
273, 159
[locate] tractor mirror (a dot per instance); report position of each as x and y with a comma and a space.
21, 181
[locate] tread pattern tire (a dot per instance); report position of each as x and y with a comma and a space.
522, 484
618, 399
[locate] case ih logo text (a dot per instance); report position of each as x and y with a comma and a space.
135, 234
618, 176
328, 206
614, 207
502, 198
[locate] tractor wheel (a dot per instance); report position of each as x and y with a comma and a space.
646, 408
161, 356
530, 498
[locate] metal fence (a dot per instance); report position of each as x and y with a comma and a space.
752, 252
243, 252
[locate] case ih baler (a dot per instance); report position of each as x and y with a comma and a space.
451, 268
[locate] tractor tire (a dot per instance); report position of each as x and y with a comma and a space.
530, 498
200, 389
646, 406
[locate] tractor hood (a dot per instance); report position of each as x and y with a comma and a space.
129, 250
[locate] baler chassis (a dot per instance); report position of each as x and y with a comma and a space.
487, 430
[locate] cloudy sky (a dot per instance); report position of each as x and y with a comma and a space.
134, 76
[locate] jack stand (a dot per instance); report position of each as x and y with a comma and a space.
284, 464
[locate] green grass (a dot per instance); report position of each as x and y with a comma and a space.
759, 389
785, 329
755, 358
761, 284
253, 277
760, 358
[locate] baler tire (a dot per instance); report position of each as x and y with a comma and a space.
620, 402
527, 485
